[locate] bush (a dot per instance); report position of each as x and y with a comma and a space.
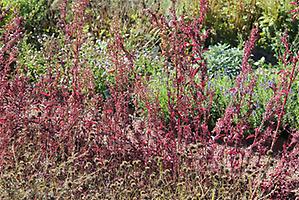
230, 22
38, 16
223, 60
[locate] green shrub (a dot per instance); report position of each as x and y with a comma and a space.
38, 17
223, 60
231, 21
221, 86
31, 61
273, 21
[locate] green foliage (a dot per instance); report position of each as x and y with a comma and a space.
38, 17
223, 60
34, 12
95, 57
31, 61
273, 21
231, 21
221, 86
267, 80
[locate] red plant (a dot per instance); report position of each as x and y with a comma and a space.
276, 106
226, 129
56, 122
9, 39
295, 11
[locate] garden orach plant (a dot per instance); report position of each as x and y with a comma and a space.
61, 139
296, 10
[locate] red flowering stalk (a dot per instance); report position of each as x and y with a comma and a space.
275, 110
232, 126
203, 11
295, 11
74, 39
189, 100
293, 59
121, 137
8, 54
10, 39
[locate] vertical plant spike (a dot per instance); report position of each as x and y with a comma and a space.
225, 129
276, 105
288, 58
182, 46
10, 38
295, 11
249, 45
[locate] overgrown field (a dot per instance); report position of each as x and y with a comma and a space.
149, 99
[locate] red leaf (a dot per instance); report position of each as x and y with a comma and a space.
250, 136
180, 79
284, 91
2, 120
194, 72
108, 111
45, 94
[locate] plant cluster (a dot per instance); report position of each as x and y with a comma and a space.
102, 121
